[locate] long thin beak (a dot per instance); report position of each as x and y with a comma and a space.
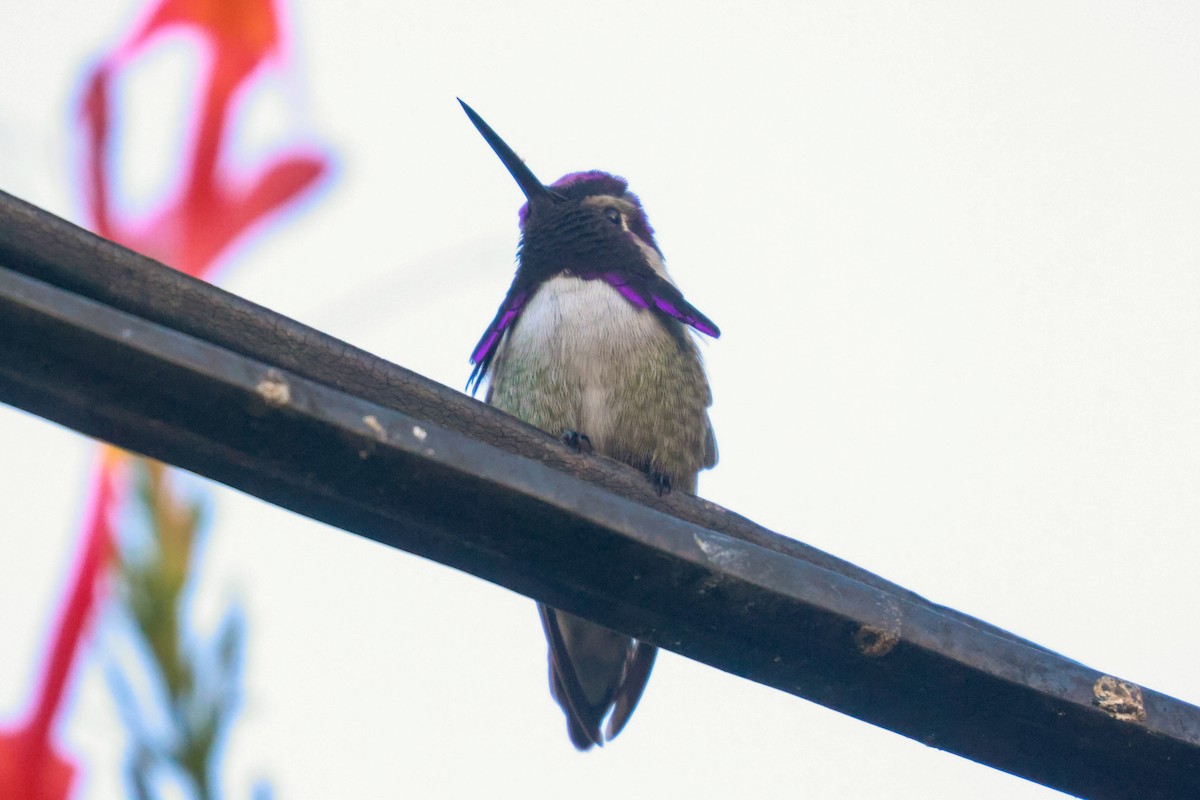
535, 192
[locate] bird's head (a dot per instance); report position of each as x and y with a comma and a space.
585, 222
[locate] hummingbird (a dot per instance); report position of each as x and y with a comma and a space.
592, 343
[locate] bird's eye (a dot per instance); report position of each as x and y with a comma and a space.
612, 215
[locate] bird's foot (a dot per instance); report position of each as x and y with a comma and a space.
661, 482
579, 442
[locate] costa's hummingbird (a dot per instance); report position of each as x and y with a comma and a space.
591, 342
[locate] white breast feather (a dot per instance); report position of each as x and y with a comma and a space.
587, 328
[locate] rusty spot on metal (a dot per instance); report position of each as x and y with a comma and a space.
371, 422
274, 390
874, 641
1119, 699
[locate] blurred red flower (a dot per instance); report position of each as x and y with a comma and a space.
30, 766
212, 208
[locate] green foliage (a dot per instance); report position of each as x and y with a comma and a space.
195, 681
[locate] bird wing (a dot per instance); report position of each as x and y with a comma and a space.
633, 683
583, 718
710, 445
485, 351
647, 289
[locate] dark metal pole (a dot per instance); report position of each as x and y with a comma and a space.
120, 348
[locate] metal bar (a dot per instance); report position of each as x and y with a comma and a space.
43, 246
118, 362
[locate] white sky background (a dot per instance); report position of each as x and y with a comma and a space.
954, 250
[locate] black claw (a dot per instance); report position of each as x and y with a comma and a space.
579, 442
661, 482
